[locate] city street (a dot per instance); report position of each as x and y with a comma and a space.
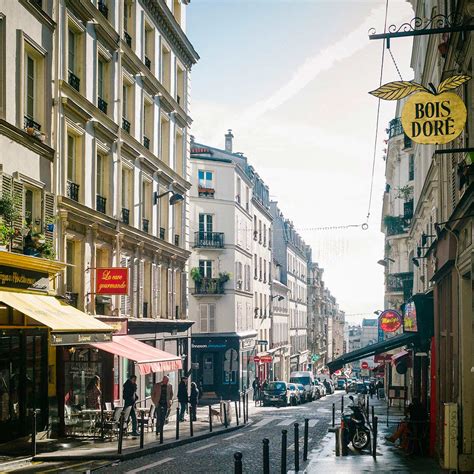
216, 455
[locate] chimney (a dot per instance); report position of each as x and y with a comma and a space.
228, 141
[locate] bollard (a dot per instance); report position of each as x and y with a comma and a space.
338, 445
266, 456
247, 406
33, 435
102, 432
238, 463
367, 407
305, 441
374, 430
240, 412
177, 423
236, 413
210, 419
142, 431
297, 447
225, 415
342, 405
388, 405
191, 427
120, 435
284, 442
373, 414
333, 414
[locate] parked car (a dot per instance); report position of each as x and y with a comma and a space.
329, 386
305, 378
293, 394
361, 387
320, 389
276, 394
305, 395
341, 384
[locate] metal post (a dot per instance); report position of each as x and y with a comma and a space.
388, 405
374, 429
297, 447
373, 414
247, 405
142, 430
333, 414
120, 436
191, 427
177, 423
210, 419
367, 407
225, 415
342, 405
240, 412
284, 442
305, 442
338, 446
102, 432
236, 414
33, 435
266, 456
238, 463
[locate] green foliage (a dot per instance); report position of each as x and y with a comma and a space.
195, 274
224, 277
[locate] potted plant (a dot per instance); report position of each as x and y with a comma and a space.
405, 193
6, 234
196, 275
224, 277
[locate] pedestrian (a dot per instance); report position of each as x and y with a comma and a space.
93, 393
162, 398
379, 388
193, 400
183, 397
256, 389
130, 397
371, 389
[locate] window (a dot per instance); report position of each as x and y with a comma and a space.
100, 175
70, 268
264, 235
264, 271
177, 11
147, 124
205, 179
205, 268
165, 140
238, 275
166, 67
149, 46
102, 96
180, 86
73, 59
179, 152
126, 191
411, 167
71, 158
255, 266
247, 277
205, 223
238, 190
30, 87
207, 317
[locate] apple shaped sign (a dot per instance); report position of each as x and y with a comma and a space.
429, 116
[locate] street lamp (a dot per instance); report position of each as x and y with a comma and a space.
384, 261
175, 197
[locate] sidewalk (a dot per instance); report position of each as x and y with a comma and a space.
389, 457
69, 449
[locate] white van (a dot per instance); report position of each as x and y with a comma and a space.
305, 378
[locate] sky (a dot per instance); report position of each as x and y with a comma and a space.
291, 79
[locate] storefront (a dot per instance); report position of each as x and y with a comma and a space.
32, 324
223, 366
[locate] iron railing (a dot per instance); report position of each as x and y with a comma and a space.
30, 123
102, 7
128, 38
74, 81
209, 286
125, 215
162, 233
146, 142
176, 240
102, 104
213, 240
101, 203
125, 124
147, 62
72, 191
145, 225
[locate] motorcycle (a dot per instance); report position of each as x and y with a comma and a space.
354, 427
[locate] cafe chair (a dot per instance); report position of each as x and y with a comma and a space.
148, 419
108, 406
111, 427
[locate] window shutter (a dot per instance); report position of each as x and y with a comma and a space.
212, 317
184, 292
125, 299
18, 202
134, 295
174, 305
203, 317
48, 215
170, 294
6, 185
141, 286
154, 291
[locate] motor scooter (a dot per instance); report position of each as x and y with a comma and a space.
354, 428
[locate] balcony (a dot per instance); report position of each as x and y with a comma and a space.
395, 128
408, 209
407, 143
400, 282
396, 225
125, 215
102, 104
213, 240
125, 124
102, 7
176, 240
127, 38
206, 192
74, 81
30, 123
101, 204
72, 191
146, 142
145, 225
162, 233
209, 286
148, 62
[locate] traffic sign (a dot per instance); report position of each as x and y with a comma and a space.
364, 365
256, 358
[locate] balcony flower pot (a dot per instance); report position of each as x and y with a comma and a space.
30, 131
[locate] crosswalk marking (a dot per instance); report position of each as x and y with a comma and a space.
312, 423
261, 423
286, 422
202, 448
233, 436
149, 466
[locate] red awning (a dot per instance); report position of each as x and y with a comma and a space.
399, 356
148, 358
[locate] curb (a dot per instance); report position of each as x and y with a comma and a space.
16, 463
136, 453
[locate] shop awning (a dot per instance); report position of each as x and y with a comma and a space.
148, 358
57, 315
373, 349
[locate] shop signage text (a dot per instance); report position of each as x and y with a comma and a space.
390, 320
23, 279
429, 117
111, 281
265, 359
68, 339
211, 345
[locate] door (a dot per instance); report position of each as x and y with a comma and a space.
208, 369
205, 228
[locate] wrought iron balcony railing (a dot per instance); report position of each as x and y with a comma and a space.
209, 286
162, 233
30, 123
102, 7
72, 191
145, 225
128, 38
74, 81
213, 240
102, 104
101, 203
395, 127
147, 62
408, 209
146, 142
176, 240
125, 215
125, 124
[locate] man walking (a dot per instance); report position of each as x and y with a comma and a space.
183, 398
162, 397
130, 397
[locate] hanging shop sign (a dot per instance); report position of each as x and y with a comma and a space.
111, 281
429, 116
410, 323
390, 320
18, 278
